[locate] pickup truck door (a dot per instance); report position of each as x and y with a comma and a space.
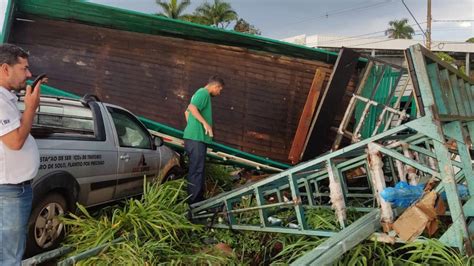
137, 158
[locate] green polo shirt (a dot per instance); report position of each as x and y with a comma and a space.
194, 129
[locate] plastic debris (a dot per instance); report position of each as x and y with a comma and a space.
403, 194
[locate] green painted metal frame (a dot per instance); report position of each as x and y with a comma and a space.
375, 102
342, 242
438, 82
426, 136
385, 79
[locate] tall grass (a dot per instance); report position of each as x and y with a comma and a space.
155, 228
424, 252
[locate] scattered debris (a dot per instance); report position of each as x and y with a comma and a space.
419, 217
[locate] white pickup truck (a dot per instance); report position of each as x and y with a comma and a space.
92, 153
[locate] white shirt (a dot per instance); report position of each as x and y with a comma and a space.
15, 166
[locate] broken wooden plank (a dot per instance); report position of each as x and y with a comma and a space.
329, 106
304, 124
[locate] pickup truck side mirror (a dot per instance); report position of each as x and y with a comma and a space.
157, 142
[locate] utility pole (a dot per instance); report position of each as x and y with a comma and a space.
428, 26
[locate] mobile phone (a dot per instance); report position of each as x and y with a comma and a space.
38, 79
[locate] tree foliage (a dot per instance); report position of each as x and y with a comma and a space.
399, 29
173, 9
243, 26
219, 14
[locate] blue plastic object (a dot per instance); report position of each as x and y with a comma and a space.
403, 194
463, 193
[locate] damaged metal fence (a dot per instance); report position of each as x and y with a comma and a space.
434, 143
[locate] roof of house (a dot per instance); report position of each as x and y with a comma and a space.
329, 41
116, 18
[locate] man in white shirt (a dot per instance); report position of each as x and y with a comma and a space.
19, 156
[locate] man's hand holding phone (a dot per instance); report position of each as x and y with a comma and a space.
32, 95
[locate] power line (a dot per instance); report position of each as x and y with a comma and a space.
411, 14
382, 31
334, 12
417, 32
319, 43
357, 8
386, 40
453, 20
342, 11
360, 35
390, 39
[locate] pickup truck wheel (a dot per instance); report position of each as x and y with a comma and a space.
45, 231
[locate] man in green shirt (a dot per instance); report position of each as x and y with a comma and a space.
198, 133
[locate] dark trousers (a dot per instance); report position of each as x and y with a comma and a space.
196, 151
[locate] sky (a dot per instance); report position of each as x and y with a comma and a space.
280, 19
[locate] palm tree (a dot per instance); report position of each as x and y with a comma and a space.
399, 29
219, 14
173, 8
196, 18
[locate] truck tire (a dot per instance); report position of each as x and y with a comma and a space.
45, 231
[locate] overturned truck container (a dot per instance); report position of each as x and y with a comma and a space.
152, 65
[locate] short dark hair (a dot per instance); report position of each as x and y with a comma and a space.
216, 79
9, 54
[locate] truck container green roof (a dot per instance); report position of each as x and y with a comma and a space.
111, 17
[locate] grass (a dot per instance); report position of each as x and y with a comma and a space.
218, 179
157, 232
421, 252
294, 247
155, 228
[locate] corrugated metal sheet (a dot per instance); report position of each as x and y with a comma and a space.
387, 84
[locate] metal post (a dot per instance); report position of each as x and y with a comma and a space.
401, 171
410, 170
262, 213
378, 181
428, 26
295, 193
468, 65
457, 235
455, 130
309, 193
336, 193
351, 107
